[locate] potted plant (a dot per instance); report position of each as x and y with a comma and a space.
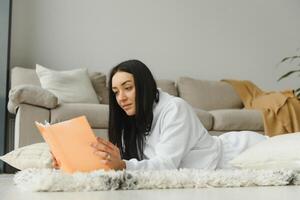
289, 73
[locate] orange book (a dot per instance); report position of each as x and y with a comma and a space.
70, 142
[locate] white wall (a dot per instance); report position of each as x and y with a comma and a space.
206, 39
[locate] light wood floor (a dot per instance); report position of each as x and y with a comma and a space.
8, 191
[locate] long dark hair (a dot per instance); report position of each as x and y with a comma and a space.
129, 132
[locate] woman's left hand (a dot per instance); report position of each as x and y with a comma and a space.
109, 154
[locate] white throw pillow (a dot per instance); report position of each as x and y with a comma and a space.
72, 86
32, 156
282, 151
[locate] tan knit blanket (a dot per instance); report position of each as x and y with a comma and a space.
281, 110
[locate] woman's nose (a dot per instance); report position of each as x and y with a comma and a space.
122, 96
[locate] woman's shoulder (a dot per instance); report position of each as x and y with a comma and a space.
173, 109
171, 102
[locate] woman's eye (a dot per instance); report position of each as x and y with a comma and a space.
128, 88
115, 92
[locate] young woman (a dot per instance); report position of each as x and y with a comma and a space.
152, 130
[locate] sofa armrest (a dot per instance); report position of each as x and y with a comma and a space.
26, 132
30, 94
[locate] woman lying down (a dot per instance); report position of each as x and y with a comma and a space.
152, 130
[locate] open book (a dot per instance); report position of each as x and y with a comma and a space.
70, 142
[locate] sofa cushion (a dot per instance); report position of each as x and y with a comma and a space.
70, 86
105, 96
205, 117
31, 156
208, 95
167, 86
28, 76
99, 83
97, 114
237, 120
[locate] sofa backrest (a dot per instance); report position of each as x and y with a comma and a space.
203, 94
208, 95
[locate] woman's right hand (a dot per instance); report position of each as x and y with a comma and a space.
55, 164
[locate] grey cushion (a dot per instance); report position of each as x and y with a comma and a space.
205, 117
105, 96
30, 94
99, 83
97, 114
167, 86
208, 95
237, 119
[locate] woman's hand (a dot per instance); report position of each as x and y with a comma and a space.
109, 154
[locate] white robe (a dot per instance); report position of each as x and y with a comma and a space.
179, 140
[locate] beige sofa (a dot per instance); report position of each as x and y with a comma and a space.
217, 105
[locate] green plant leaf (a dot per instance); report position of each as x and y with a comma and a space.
291, 58
298, 94
288, 74
284, 59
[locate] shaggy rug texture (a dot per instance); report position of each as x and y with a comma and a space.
50, 180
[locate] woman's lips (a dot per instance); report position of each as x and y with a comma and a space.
126, 107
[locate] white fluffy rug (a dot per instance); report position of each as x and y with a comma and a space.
51, 180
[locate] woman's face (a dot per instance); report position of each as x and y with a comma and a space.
124, 89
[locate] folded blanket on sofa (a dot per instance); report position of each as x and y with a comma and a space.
281, 110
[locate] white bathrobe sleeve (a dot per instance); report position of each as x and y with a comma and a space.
179, 130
